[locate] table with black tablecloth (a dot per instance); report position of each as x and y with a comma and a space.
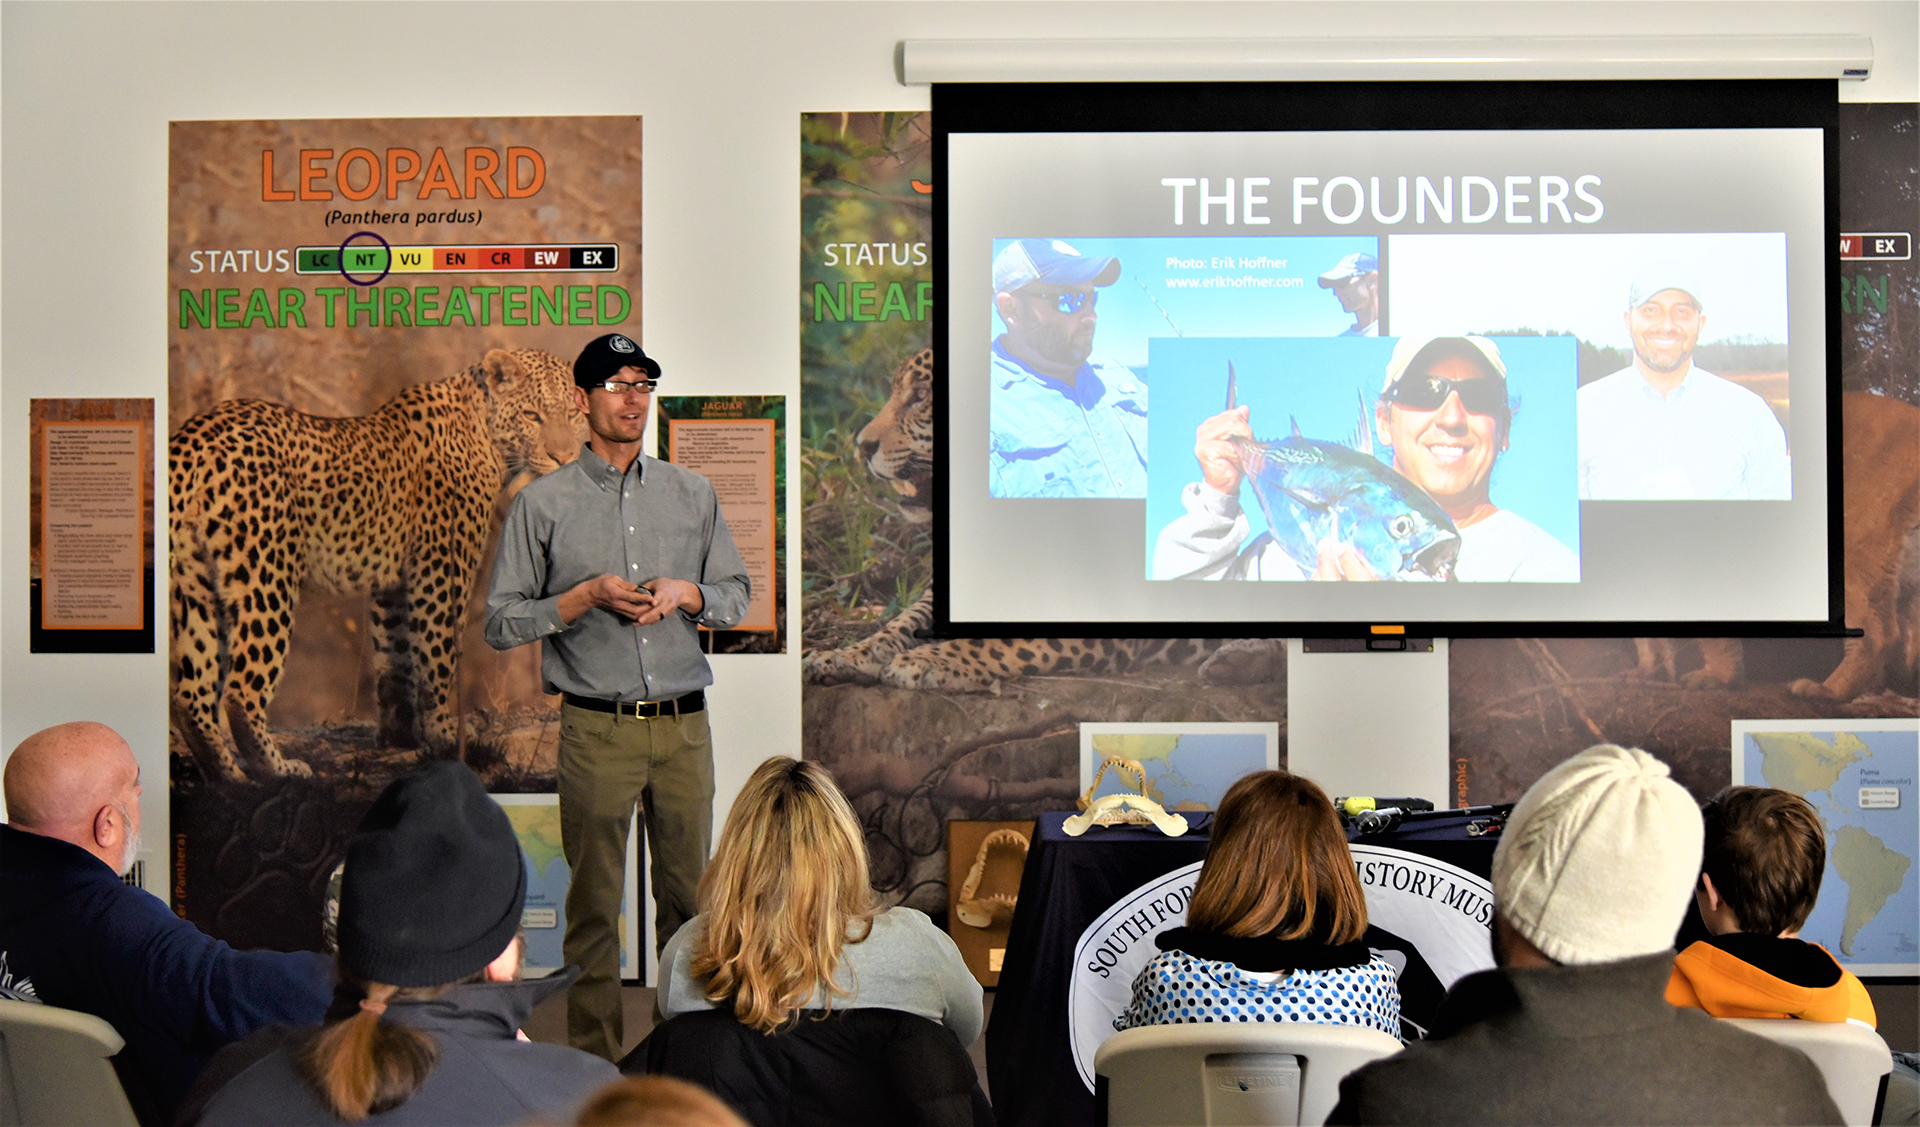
1068, 882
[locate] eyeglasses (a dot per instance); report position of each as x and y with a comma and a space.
621, 387
1480, 396
1070, 301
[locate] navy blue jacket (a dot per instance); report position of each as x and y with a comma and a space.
73, 934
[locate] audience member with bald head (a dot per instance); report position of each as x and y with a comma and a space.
73, 934
79, 783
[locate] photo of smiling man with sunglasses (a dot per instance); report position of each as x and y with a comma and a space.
1445, 410
1064, 422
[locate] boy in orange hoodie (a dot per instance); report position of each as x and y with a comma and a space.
1761, 868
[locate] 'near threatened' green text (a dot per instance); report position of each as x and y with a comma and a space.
404, 306
858, 302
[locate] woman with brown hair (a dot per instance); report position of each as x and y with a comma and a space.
1274, 924
787, 920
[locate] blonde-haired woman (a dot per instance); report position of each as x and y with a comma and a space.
787, 920
1274, 924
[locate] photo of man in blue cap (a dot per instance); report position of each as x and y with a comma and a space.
1355, 280
1064, 422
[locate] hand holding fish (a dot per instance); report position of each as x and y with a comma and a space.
1339, 559
1220, 464
1308, 489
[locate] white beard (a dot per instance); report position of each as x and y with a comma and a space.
129, 852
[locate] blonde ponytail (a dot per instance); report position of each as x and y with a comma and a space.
361, 1065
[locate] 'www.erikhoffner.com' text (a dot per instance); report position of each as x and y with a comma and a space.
1235, 282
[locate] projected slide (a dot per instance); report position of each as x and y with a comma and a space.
1512, 376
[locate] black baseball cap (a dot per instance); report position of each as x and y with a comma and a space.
604, 356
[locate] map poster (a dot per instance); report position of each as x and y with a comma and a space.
1860, 776
1189, 766
91, 511
371, 325
543, 922
739, 442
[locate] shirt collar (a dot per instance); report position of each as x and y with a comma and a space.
1088, 388
603, 473
1679, 390
1564, 1001
485, 1010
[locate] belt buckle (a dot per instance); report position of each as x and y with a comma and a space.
653, 709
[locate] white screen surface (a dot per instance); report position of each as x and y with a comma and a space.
1532, 238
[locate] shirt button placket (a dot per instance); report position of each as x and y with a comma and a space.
1100, 450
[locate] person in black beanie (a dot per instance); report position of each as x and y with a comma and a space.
424, 1026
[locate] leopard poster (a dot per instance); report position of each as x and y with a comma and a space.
371, 325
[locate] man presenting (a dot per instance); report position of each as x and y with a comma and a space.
613, 562
1355, 280
1064, 423
1443, 408
74, 935
1664, 430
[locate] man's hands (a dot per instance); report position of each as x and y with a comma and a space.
642, 604
1220, 469
1219, 461
670, 595
1339, 559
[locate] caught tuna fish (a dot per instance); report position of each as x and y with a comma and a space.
1313, 491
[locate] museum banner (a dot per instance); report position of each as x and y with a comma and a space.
370, 328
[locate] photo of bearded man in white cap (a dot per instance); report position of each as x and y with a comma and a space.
1662, 429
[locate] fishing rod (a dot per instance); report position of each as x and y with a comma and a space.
1157, 305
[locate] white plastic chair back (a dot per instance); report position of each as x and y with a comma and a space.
1853, 1058
54, 1070
1220, 1073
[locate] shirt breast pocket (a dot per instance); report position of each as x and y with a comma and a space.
1132, 413
1034, 456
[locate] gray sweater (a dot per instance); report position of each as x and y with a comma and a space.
904, 964
1584, 1045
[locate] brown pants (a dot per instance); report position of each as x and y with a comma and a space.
608, 763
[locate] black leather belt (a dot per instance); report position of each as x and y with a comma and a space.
695, 701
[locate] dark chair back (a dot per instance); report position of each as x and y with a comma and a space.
847, 1066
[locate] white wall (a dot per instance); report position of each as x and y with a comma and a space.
87, 91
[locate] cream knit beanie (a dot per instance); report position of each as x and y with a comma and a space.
1599, 858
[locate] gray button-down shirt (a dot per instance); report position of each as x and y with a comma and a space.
587, 519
